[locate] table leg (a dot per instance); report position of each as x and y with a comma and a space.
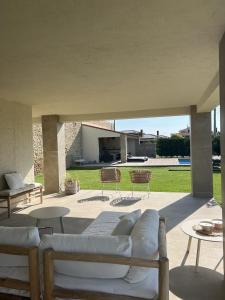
198, 253
189, 244
37, 222
61, 223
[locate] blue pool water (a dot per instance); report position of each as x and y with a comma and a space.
184, 161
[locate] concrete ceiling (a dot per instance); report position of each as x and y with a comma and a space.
110, 58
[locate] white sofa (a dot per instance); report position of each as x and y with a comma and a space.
73, 264
144, 247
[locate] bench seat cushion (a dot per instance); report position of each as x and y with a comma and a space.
8, 192
104, 224
146, 289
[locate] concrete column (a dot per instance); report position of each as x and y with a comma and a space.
222, 129
54, 153
201, 154
123, 148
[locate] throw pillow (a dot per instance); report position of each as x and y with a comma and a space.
127, 222
14, 181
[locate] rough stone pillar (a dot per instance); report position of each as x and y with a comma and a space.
123, 148
222, 129
54, 153
201, 154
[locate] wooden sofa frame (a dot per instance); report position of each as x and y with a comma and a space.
33, 285
51, 292
35, 190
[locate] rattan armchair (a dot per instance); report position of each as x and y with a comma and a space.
140, 176
110, 175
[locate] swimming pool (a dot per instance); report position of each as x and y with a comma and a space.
184, 161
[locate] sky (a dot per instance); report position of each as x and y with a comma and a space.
165, 125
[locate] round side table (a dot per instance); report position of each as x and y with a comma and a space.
187, 228
50, 212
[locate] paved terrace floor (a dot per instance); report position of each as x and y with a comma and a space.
185, 282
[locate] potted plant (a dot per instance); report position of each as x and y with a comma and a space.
72, 186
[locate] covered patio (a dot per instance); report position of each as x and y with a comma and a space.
66, 61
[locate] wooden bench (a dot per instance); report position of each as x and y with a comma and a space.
29, 190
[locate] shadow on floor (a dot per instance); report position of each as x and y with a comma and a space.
94, 198
189, 284
178, 211
71, 225
124, 201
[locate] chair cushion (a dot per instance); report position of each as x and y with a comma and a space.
14, 192
146, 289
115, 245
17, 236
104, 224
144, 243
14, 180
20, 273
127, 222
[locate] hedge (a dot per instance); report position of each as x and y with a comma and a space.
174, 146
180, 146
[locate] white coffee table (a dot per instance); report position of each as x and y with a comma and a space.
187, 228
50, 212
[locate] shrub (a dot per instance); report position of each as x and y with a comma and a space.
173, 146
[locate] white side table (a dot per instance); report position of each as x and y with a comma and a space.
187, 228
50, 212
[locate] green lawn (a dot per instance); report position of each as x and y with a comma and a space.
163, 180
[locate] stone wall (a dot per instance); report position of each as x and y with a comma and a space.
37, 148
73, 140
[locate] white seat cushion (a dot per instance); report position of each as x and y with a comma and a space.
20, 273
144, 243
104, 224
147, 289
115, 245
14, 192
17, 236
14, 180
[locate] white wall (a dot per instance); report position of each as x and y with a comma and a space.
90, 138
16, 149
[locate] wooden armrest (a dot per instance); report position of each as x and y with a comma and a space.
16, 250
50, 254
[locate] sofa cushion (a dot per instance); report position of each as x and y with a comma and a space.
134, 215
127, 222
17, 236
144, 243
104, 224
20, 273
146, 289
115, 245
9, 192
14, 180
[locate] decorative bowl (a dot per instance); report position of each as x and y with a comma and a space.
207, 225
